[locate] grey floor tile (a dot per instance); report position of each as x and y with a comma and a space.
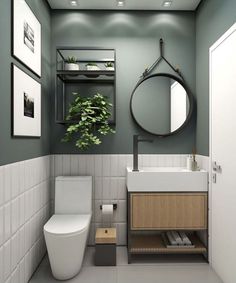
164, 274
148, 271
93, 274
43, 274
88, 274
89, 257
122, 259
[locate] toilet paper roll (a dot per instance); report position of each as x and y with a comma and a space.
107, 215
107, 209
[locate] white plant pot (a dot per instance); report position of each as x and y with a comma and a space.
92, 68
71, 67
110, 69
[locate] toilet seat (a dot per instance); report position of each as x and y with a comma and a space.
67, 225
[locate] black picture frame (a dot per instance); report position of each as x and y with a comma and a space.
20, 60
13, 102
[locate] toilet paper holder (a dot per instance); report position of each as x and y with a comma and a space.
114, 206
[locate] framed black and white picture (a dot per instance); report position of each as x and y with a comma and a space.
26, 104
26, 45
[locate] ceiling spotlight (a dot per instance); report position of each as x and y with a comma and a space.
120, 3
73, 2
167, 4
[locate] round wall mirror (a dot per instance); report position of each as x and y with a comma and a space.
161, 104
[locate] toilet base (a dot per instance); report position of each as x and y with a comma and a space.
66, 253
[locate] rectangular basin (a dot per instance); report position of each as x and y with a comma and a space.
166, 179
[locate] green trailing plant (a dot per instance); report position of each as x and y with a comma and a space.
109, 64
71, 60
92, 114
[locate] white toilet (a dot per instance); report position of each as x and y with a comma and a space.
67, 230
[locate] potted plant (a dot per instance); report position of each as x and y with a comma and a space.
92, 67
89, 120
71, 64
109, 66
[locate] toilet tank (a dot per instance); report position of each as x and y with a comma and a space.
73, 195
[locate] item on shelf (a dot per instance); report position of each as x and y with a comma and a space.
190, 163
194, 166
81, 75
109, 66
92, 67
173, 239
177, 238
71, 64
184, 238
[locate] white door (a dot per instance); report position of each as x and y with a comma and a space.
223, 152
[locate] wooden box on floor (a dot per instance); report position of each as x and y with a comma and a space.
105, 253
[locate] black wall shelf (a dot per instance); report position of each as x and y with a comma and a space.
86, 82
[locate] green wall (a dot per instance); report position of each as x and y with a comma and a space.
16, 149
213, 18
135, 36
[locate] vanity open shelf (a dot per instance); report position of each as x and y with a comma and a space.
154, 244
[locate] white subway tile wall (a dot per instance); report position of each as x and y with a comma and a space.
203, 162
24, 208
27, 197
109, 182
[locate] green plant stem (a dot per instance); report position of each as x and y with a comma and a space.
93, 114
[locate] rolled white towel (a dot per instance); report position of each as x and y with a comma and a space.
177, 238
171, 239
185, 238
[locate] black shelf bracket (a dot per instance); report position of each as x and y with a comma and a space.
158, 61
85, 81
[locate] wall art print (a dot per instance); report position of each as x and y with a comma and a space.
26, 45
26, 102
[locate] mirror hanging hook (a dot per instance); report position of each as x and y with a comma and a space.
147, 71
161, 42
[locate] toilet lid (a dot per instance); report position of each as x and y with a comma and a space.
67, 224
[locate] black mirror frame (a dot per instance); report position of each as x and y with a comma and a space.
189, 94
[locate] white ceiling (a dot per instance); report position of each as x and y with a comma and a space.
129, 5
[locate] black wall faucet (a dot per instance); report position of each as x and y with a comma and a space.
136, 140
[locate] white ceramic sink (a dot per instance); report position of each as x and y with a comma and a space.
166, 179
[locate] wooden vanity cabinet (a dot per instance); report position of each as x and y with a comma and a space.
151, 214
168, 211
